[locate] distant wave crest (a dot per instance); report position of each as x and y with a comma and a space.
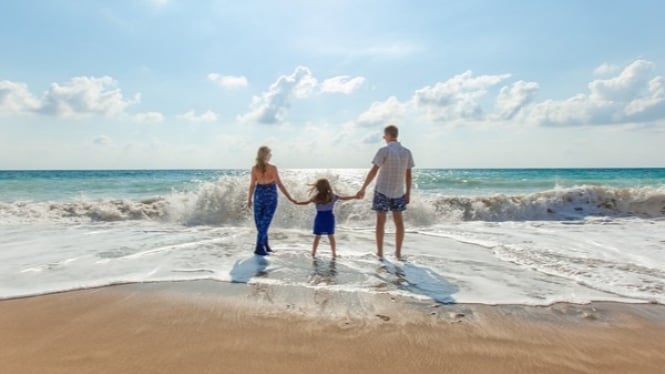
224, 202
557, 204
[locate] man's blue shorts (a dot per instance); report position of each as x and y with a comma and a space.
382, 203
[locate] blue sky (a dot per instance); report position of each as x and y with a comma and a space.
201, 84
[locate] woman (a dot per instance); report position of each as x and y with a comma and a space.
263, 186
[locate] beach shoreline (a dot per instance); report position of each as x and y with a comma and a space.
212, 327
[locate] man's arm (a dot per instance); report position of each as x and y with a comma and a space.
370, 176
407, 197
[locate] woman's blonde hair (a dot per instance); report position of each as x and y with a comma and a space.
261, 156
322, 191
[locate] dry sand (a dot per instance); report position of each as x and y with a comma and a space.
154, 329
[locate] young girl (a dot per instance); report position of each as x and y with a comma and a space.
324, 222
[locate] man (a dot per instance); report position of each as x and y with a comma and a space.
393, 164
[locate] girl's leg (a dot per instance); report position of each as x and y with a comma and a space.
315, 244
331, 239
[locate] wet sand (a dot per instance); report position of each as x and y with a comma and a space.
204, 327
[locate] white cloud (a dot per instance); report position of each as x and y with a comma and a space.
633, 95
206, 117
653, 99
228, 81
457, 98
512, 99
342, 84
382, 113
605, 69
626, 85
270, 107
149, 117
15, 98
84, 96
80, 97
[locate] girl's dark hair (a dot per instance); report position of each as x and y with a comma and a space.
322, 191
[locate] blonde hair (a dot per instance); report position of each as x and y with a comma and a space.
261, 156
322, 191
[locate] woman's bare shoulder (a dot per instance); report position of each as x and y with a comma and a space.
271, 168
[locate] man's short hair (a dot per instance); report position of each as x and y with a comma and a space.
391, 130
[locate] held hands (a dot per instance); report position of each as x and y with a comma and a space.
360, 194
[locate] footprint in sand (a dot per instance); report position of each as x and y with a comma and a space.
383, 317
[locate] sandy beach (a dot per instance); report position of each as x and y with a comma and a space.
205, 327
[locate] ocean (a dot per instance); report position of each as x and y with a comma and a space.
490, 236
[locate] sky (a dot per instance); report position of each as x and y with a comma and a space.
175, 84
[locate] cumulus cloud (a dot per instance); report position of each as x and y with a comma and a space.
84, 96
342, 84
272, 104
635, 94
15, 98
457, 98
605, 69
270, 107
206, 117
382, 113
228, 81
513, 99
80, 97
653, 99
149, 117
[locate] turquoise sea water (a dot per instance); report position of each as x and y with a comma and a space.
70, 184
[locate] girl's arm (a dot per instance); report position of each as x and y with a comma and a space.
281, 186
344, 198
303, 202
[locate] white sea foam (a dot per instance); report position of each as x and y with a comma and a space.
507, 262
576, 244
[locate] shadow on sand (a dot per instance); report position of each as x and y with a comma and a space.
418, 280
245, 270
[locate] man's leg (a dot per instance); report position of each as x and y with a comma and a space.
399, 233
380, 229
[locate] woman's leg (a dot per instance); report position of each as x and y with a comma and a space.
265, 204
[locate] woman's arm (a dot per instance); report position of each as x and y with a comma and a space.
252, 186
281, 186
